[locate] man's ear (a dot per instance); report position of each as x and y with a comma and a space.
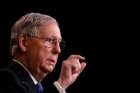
22, 42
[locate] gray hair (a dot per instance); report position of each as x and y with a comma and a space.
28, 25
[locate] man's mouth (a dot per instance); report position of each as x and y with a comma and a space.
52, 61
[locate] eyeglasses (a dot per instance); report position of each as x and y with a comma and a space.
51, 42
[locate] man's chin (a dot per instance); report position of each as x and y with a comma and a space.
48, 69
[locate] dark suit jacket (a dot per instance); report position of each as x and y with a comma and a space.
15, 79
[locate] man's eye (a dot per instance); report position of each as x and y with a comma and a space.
49, 40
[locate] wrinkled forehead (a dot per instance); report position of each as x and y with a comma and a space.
51, 30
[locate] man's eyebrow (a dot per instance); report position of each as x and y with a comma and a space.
54, 37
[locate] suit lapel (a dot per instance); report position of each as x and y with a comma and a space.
23, 76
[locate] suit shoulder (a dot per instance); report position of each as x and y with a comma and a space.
7, 76
9, 82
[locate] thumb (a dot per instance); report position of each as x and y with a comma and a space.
83, 65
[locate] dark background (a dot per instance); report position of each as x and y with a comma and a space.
100, 31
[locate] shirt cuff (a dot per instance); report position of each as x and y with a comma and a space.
59, 88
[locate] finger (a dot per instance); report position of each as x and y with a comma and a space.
79, 67
83, 65
81, 58
76, 66
78, 71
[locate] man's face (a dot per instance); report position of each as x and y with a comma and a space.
42, 53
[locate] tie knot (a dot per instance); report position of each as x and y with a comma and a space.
39, 87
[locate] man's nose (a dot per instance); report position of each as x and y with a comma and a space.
57, 48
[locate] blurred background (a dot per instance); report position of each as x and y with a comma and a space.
94, 29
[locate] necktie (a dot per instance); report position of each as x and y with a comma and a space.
39, 87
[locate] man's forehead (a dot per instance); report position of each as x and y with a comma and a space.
55, 35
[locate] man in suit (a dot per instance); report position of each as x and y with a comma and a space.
36, 43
